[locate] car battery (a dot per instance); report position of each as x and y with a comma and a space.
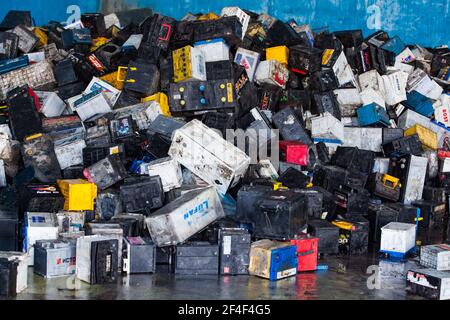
106, 172
350, 38
108, 205
27, 40
10, 44
279, 215
392, 134
142, 194
293, 178
398, 238
427, 137
279, 53
122, 129
242, 15
307, 253
272, 72
351, 201
23, 116
313, 202
139, 255
429, 283
74, 172
218, 120
142, 79
431, 212
326, 102
8, 65
41, 219
267, 170
247, 199
65, 73
290, 126
363, 138
46, 204
97, 133
185, 216
167, 169
384, 186
70, 93
228, 28
197, 258
165, 126
373, 115
79, 194
132, 224
71, 221
110, 92
219, 70
436, 257
113, 230
195, 96
51, 105
348, 99
419, 103
436, 195
281, 33
323, 153
214, 50
352, 158
295, 152
54, 258
38, 152
97, 259
94, 22
183, 34
189, 64
156, 146
37, 76
40, 230
403, 146
227, 163
406, 213
18, 259
327, 128
268, 98
353, 235
273, 260
379, 215
411, 170
8, 277
330, 177
323, 80
92, 104
9, 223
92, 155
76, 38
249, 60
234, 256
156, 32
304, 60
69, 152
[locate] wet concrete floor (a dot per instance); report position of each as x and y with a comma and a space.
346, 278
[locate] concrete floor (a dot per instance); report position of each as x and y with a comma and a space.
346, 278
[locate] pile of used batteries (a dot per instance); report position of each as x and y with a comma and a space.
133, 141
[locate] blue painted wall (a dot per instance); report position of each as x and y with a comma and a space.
416, 21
